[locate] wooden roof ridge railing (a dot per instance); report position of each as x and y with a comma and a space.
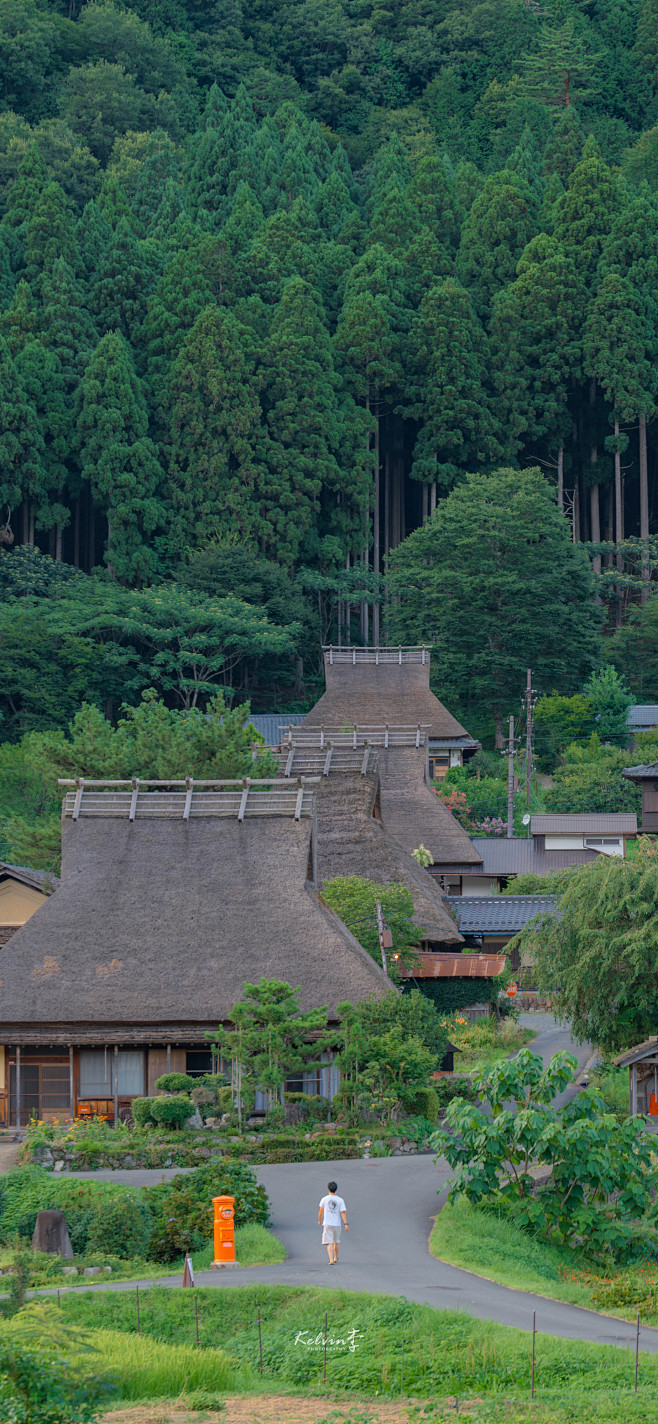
387, 734
240, 796
411, 653
321, 760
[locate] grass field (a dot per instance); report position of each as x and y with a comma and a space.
377, 1345
484, 1043
494, 1247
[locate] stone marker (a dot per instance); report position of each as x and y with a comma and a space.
51, 1235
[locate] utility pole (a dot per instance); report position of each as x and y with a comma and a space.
385, 937
510, 780
528, 736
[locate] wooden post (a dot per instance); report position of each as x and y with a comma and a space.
18, 1087
260, 1342
324, 1376
510, 781
532, 1379
528, 736
71, 1083
116, 1084
637, 1346
169, 1058
644, 507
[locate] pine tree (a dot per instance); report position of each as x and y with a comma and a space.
164, 226
394, 220
449, 387
94, 237
618, 352
49, 234
586, 213
180, 297
303, 419
23, 193
215, 471
114, 203
562, 70
65, 325
21, 442
40, 373
126, 277
564, 148
536, 337
433, 193
500, 224
118, 460
337, 215
160, 167
18, 321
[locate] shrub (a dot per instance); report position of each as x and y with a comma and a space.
120, 1227
448, 1088
312, 1107
183, 1213
141, 1111
425, 1103
176, 1083
171, 1112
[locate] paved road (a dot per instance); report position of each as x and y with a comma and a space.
554, 1038
391, 1202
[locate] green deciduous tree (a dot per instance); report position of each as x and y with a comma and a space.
494, 582
355, 900
598, 956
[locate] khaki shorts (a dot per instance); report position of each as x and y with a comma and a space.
331, 1235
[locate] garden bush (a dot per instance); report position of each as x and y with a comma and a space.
121, 1227
141, 1111
182, 1208
28, 1190
425, 1104
176, 1083
171, 1112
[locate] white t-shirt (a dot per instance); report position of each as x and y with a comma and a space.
331, 1207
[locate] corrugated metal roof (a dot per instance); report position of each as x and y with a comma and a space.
643, 715
498, 914
613, 824
518, 856
269, 724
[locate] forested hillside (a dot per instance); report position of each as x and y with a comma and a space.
273, 279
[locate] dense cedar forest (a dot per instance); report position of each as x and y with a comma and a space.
273, 280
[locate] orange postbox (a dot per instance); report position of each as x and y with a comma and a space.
224, 1230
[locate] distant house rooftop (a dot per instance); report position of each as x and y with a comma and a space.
498, 914
643, 716
619, 823
272, 725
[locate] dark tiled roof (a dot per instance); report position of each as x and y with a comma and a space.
522, 856
614, 823
498, 914
269, 724
42, 880
642, 773
643, 715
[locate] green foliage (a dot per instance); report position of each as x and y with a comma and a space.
595, 785
388, 1049
171, 1111
182, 1209
270, 1039
175, 1083
558, 721
495, 584
597, 958
603, 1176
355, 900
610, 701
120, 1227
39, 1390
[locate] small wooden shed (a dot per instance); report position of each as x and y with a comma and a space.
642, 1064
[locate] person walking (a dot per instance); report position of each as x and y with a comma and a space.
332, 1212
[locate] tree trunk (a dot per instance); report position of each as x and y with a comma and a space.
595, 521
76, 533
499, 730
387, 503
110, 566
575, 527
376, 557
25, 512
644, 507
425, 502
30, 537
619, 522
560, 477
58, 543
91, 532
366, 542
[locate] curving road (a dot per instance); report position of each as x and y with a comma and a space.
391, 1202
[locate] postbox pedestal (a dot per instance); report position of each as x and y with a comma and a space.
224, 1233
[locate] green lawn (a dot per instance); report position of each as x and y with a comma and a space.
482, 1044
493, 1246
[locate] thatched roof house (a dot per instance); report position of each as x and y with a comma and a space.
416, 816
168, 902
380, 686
352, 841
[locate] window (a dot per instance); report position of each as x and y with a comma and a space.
97, 1073
607, 845
198, 1062
439, 763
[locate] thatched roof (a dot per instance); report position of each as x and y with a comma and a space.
351, 842
367, 693
157, 922
415, 816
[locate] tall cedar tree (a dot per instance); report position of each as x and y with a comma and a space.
117, 459
21, 439
500, 224
587, 211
